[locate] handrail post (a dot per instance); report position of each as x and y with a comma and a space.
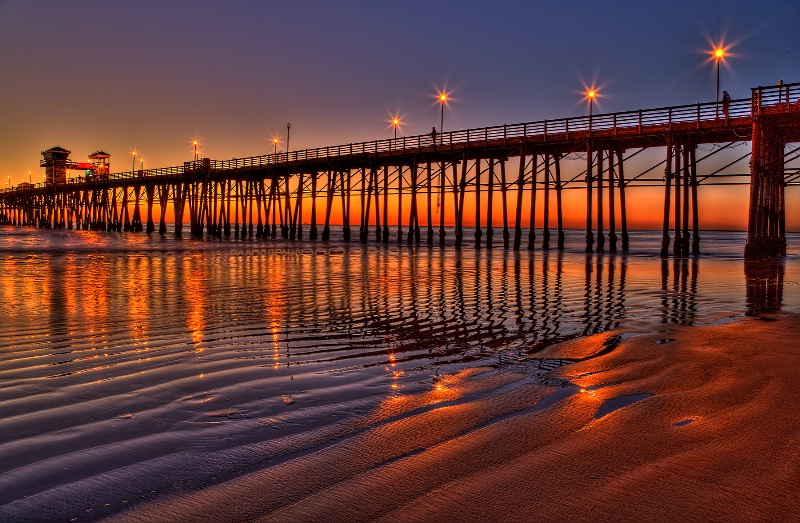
505, 134
545, 129
698, 115
640, 121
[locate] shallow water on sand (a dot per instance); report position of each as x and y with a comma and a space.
134, 366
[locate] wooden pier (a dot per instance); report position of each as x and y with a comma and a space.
268, 196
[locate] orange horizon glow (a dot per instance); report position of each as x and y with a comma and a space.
720, 209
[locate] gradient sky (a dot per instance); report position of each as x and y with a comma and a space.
151, 75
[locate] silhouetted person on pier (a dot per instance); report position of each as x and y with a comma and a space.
726, 103
433, 135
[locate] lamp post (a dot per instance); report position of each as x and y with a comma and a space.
719, 54
288, 128
395, 124
442, 101
591, 94
133, 164
195, 143
275, 144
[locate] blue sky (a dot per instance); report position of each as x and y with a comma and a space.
151, 75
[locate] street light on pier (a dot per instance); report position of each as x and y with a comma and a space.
591, 94
442, 101
275, 142
288, 127
195, 143
133, 165
719, 54
396, 123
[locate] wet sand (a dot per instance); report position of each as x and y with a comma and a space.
701, 424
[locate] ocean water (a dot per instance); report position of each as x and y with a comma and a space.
135, 367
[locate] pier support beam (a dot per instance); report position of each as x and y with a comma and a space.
765, 234
589, 181
667, 187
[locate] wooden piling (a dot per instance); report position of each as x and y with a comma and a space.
532, 221
520, 197
546, 215
430, 204
400, 204
478, 232
589, 181
504, 195
676, 247
460, 203
612, 216
685, 209
385, 233
441, 206
667, 187
326, 229
601, 241
622, 208
559, 209
312, 234
490, 205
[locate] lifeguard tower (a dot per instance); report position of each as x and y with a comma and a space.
57, 163
99, 161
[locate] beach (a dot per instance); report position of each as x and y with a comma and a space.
163, 379
704, 429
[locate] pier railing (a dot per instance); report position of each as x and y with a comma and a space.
763, 99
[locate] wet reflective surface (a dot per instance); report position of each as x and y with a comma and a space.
132, 366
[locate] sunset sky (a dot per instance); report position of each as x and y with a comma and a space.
152, 75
